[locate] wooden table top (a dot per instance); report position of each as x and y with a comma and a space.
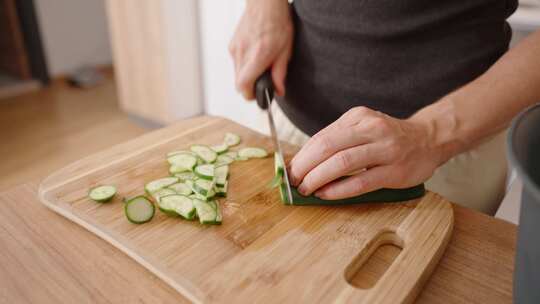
47, 259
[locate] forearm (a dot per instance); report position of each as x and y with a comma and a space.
485, 106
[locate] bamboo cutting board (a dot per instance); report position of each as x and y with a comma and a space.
264, 251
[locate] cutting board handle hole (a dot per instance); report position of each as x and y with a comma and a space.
371, 263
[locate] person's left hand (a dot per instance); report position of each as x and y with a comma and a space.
378, 150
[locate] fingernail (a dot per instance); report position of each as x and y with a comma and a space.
302, 189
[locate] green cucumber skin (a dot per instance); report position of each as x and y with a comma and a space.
139, 222
378, 196
169, 212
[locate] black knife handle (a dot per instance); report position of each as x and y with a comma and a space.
263, 83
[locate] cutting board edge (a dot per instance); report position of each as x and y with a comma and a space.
189, 294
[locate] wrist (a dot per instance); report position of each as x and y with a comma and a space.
441, 128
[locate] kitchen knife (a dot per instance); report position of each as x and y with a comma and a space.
264, 92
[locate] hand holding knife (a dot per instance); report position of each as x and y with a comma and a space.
264, 92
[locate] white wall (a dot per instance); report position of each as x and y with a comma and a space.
74, 33
218, 20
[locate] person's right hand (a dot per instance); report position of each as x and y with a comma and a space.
263, 39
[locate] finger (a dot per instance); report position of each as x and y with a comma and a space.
340, 164
279, 72
363, 182
254, 66
321, 147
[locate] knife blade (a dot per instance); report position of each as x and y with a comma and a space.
264, 91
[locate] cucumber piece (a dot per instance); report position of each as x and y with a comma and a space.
241, 158
231, 139
183, 160
223, 160
231, 154
203, 186
205, 212
219, 149
174, 169
198, 196
180, 188
205, 171
139, 210
102, 194
221, 191
205, 153
252, 152
221, 173
377, 196
161, 193
218, 218
184, 176
198, 192
159, 184
179, 204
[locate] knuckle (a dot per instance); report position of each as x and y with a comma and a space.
344, 161
324, 144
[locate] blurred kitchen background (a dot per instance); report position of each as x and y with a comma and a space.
77, 76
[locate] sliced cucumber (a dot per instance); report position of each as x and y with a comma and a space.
231, 139
174, 169
198, 192
205, 212
205, 153
223, 160
179, 204
241, 158
205, 171
161, 193
183, 160
159, 184
221, 173
184, 176
203, 186
180, 188
102, 194
139, 210
219, 149
252, 152
215, 205
221, 191
198, 196
231, 154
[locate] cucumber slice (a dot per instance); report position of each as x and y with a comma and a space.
223, 160
241, 158
231, 154
221, 191
198, 196
184, 176
180, 188
203, 186
159, 184
174, 169
139, 210
205, 212
205, 171
183, 160
215, 205
231, 139
252, 152
205, 153
179, 204
198, 192
102, 194
161, 193
219, 149
221, 173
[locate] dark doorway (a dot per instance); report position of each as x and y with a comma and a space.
22, 57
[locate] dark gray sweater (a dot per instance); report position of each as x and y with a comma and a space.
395, 56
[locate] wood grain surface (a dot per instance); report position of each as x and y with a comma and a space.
263, 248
